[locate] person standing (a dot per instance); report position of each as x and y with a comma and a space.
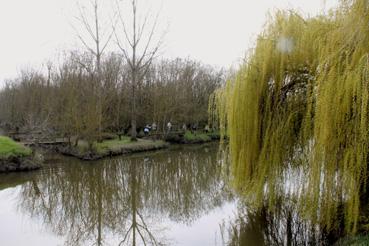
169, 126
184, 127
146, 130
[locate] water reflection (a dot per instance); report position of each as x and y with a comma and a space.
122, 201
282, 226
170, 197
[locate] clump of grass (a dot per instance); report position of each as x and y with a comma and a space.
116, 145
126, 144
196, 137
9, 148
112, 144
104, 145
214, 134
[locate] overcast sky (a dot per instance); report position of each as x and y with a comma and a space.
217, 32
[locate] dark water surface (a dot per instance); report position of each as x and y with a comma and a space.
178, 196
172, 197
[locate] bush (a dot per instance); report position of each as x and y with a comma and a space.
173, 138
196, 137
108, 136
214, 135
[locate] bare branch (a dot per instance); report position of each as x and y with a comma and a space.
82, 18
123, 25
126, 57
148, 41
142, 28
142, 237
84, 66
86, 45
152, 238
125, 236
110, 35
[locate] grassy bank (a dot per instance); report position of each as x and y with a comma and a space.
10, 148
200, 137
111, 148
190, 137
104, 146
196, 137
15, 157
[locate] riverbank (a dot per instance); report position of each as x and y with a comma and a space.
115, 146
193, 137
109, 148
15, 157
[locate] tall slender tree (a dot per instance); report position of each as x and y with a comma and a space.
139, 48
96, 41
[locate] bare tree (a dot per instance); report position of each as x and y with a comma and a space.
139, 48
96, 41
100, 35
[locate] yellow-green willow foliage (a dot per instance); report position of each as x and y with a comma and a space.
300, 102
218, 109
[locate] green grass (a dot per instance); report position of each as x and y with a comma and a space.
9, 148
128, 145
116, 145
112, 144
104, 145
196, 137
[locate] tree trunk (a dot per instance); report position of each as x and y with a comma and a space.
133, 112
76, 142
134, 203
133, 129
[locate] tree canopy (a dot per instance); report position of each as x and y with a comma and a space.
299, 104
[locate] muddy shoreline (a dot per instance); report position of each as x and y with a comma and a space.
18, 164
92, 156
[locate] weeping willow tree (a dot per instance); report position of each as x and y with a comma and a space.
300, 102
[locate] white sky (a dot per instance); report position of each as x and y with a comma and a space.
217, 32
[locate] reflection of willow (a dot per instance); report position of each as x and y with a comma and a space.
282, 226
91, 203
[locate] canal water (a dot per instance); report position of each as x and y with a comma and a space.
178, 196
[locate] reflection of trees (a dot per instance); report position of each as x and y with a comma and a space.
138, 224
9, 180
282, 226
120, 198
